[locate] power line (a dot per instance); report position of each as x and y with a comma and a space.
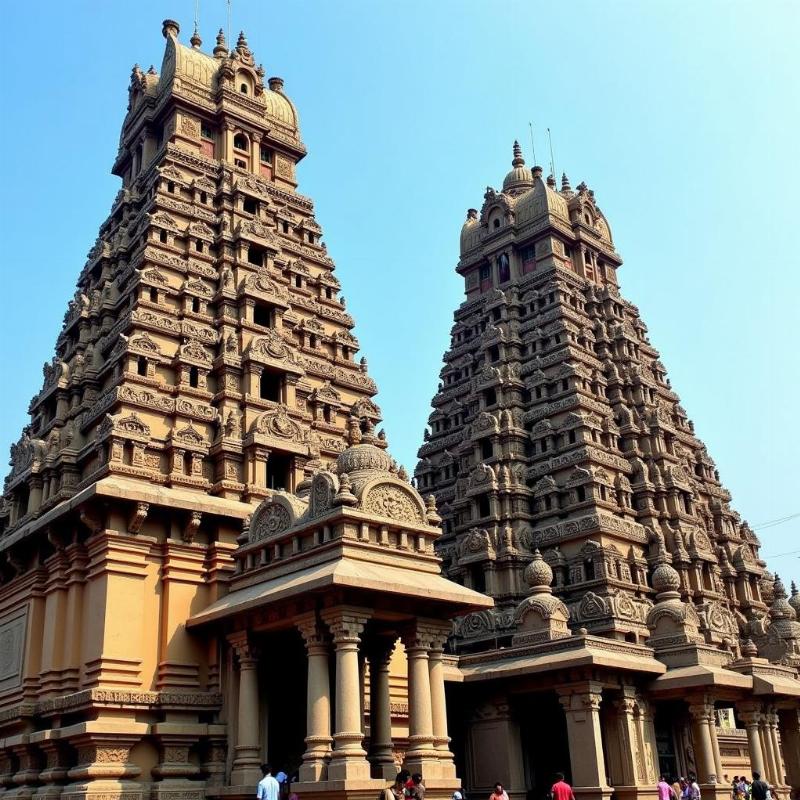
773, 522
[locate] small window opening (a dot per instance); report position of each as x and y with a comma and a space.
279, 466
588, 569
194, 377
487, 448
262, 315
250, 206
255, 255
198, 245
240, 142
497, 223
478, 578
286, 227
240, 163
153, 295
196, 305
162, 237
484, 507
298, 281
141, 365
171, 187
203, 198
266, 155
270, 386
490, 397
243, 88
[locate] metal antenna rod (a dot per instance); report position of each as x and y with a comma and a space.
533, 146
552, 159
196, 14
229, 23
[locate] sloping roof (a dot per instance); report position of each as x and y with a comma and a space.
346, 572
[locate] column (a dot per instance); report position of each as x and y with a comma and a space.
421, 755
766, 749
246, 763
701, 712
712, 729
772, 722
441, 740
381, 755
581, 704
790, 739
348, 760
627, 740
318, 700
749, 715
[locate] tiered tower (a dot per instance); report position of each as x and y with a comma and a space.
206, 347
205, 360
555, 427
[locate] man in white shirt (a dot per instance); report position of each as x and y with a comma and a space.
268, 787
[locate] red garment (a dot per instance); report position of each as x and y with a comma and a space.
562, 791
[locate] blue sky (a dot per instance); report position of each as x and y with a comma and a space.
681, 116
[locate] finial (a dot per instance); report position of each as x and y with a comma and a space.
472, 213
241, 42
431, 514
551, 181
538, 574
749, 650
537, 172
221, 48
518, 160
345, 497
260, 71
275, 84
565, 187
196, 41
363, 364
152, 70
170, 28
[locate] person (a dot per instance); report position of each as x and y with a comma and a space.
397, 790
268, 787
561, 790
499, 792
665, 791
759, 790
694, 788
417, 787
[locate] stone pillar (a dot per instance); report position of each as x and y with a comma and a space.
766, 749
421, 755
246, 763
702, 712
627, 740
348, 760
581, 704
318, 705
712, 729
790, 739
749, 715
772, 723
381, 755
441, 740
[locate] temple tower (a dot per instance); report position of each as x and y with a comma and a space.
205, 362
555, 427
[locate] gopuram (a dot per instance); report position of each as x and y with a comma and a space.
635, 629
208, 558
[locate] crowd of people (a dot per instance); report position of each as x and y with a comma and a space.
408, 786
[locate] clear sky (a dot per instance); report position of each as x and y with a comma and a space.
682, 116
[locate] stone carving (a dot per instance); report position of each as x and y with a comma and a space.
394, 502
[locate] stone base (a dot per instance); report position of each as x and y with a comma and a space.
105, 790
636, 792
435, 789
593, 792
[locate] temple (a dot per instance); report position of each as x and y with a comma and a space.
632, 612
209, 559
